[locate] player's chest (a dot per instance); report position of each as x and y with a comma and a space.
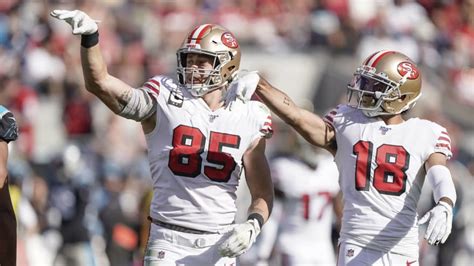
377, 144
378, 135
205, 131
207, 125
195, 115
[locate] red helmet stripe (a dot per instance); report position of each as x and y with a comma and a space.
366, 62
196, 35
190, 36
377, 58
202, 32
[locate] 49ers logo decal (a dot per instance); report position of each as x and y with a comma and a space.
407, 67
229, 40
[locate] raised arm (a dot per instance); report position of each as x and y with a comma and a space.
309, 125
120, 97
110, 90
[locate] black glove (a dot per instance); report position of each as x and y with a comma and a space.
8, 127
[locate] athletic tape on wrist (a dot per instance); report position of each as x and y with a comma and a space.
87, 41
441, 181
257, 217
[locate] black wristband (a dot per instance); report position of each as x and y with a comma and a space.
257, 217
8, 126
87, 41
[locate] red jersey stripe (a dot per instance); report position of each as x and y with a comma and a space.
445, 139
441, 145
152, 88
154, 82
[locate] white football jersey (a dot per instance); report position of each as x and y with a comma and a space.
308, 205
382, 172
307, 216
195, 155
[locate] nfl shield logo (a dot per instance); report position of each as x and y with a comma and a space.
384, 130
350, 253
161, 254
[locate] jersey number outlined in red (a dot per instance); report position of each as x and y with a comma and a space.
390, 173
306, 200
188, 145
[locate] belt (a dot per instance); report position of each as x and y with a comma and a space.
178, 227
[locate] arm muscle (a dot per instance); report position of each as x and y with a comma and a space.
309, 125
110, 90
259, 181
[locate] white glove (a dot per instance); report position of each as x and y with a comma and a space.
241, 239
242, 87
441, 220
80, 22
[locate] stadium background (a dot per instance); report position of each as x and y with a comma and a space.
79, 175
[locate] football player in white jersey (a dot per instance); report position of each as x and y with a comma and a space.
197, 148
383, 160
306, 184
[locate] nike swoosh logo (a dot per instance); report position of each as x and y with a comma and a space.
410, 262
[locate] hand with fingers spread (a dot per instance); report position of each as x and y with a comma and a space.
241, 239
440, 222
80, 22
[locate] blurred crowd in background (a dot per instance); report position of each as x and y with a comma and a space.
79, 174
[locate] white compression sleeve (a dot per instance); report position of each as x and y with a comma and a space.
140, 106
441, 181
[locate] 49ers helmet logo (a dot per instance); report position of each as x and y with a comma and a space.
229, 40
404, 67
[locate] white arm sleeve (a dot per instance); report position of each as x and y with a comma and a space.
441, 181
140, 106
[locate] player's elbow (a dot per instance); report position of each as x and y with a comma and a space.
93, 86
96, 82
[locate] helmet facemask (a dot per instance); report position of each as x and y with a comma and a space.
211, 77
221, 47
376, 92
